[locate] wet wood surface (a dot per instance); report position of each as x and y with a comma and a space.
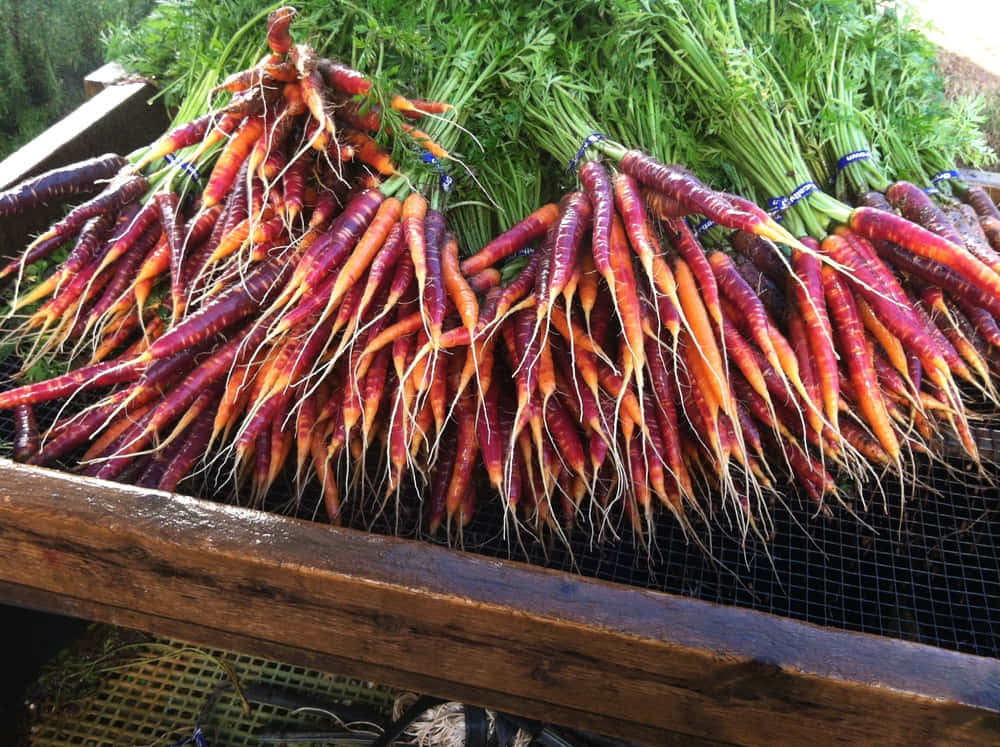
636, 664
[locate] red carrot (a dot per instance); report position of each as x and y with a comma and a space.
278, 38
848, 325
517, 237
877, 224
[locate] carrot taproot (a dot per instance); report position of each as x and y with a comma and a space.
335, 244
27, 440
434, 296
878, 224
682, 186
980, 201
460, 291
520, 235
413, 214
232, 157
190, 450
848, 325
467, 450
693, 308
278, 37
81, 379
235, 304
59, 183
484, 280
121, 191
368, 151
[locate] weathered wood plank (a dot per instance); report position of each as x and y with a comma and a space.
530, 640
193, 631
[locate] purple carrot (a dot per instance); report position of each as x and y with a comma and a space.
56, 185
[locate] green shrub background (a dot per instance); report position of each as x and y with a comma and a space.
47, 47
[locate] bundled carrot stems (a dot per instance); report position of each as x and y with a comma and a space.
281, 289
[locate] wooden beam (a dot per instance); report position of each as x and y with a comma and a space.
638, 664
121, 118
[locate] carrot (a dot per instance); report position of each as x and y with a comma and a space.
461, 293
938, 274
92, 236
770, 340
518, 236
632, 210
124, 272
626, 297
233, 155
367, 248
849, 328
189, 452
917, 206
700, 329
413, 215
774, 300
329, 250
682, 186
798, 338
597, 185
81, 379
982, 321
467, 449
344, 78
433, 291
121, 191
241, 300
27, 441
877, 224
484, 280
890, 343
811, 304
980, 201
688, 247
441, 478
236, 352
278, 38
60, 183
368, 151
661, 206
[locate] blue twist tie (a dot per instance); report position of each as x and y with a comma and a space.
703, 226
942, 176
845, 161
524, 251
187, 166
447, 182
932, 191
197, 739
592, 138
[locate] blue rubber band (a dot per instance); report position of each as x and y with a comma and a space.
778, 206
801, 192
187, 166
847, 160
932, 191
592, 138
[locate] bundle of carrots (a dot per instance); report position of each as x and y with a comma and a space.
308, 314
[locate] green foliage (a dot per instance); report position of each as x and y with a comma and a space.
47, 47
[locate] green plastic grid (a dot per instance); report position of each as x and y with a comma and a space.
155, 698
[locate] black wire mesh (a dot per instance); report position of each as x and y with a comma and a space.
930, 573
